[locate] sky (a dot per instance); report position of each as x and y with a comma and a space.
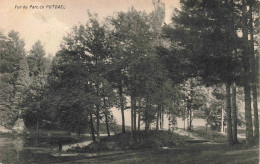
51, 25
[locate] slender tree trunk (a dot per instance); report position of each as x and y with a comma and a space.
135, 117
133, 106
157, 118
256, 117
107, 126
98, 123
246, 65
139, 115
190, 101
191, 118
228, 112
184, 126
234, 114
160, 120
222, 120
92, 128
162, 114
139, 120
146, 115
188, 121
37, 130
106, 117
184, 119
254, 76
169, 124
145, 119
122, 106
248, 115
157, 121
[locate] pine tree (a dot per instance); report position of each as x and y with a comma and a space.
252, 12
34, 113
13, 71
204, 32
246, 78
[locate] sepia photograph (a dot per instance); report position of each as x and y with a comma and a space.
129, 81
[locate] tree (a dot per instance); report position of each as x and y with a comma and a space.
205, 30
234, 113
132, 36
68, 92
253, 23
96, 45
14, 77
81, 69
246, 80
34, 113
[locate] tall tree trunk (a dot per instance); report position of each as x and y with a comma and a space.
37, 130
135, 117
256, 117
188, 121
120, 89
107, 126
162, 117
228, 112
157, 121
157, 118
246, 65
133, 106
222, 120
160, 120
92, 128
248, 115
190, 101
169, 124
139, 115
146, 115
145, 119
191, 117
254, 75
98, 123
234, 113
184, 119
106, 118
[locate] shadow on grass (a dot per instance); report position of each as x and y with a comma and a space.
192, 153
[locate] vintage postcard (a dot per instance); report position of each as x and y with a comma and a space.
129, 81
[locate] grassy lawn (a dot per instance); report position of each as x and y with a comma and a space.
152, 147
190, 154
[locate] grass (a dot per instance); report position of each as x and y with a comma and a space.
188, 153
149, 148
141, 140
51, 139
210, 135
